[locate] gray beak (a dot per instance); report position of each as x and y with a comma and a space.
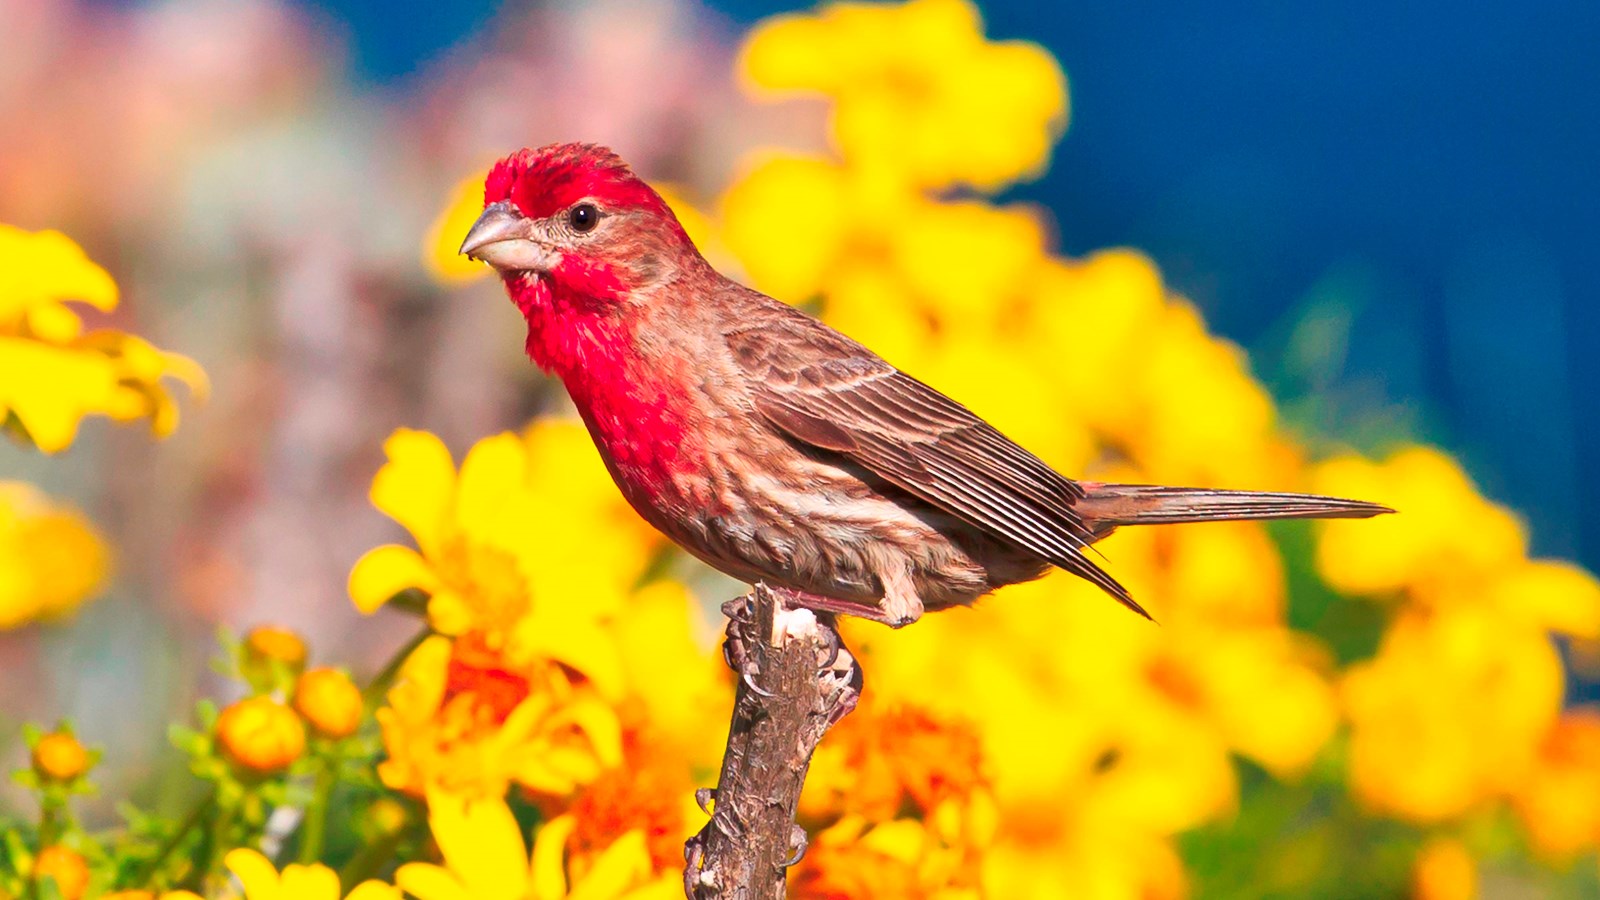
503, 238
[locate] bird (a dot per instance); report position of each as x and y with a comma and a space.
773, 447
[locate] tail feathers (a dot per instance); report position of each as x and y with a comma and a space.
1106, 506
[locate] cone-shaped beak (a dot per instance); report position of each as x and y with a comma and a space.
499, 222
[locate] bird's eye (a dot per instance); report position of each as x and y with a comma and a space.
583, 217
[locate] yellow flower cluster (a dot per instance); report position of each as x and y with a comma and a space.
53, 373
1462, 704
555, 655
916, 90
51, 558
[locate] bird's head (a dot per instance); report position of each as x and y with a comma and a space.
573, 219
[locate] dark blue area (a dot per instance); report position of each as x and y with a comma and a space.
1261, 151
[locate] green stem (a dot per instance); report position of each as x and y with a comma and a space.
314, 826
190, 820
371, 858
373, 693
49, 821
217, 846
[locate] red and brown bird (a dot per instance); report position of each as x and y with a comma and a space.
773, 447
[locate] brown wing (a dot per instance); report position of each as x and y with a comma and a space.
825, 390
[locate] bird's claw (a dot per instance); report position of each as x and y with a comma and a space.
798, 844
704, 797
748, 676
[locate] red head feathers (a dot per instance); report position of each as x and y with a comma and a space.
546, 181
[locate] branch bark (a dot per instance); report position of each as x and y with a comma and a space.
796, 680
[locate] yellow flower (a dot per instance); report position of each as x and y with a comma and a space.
507, 546
462, 718
1446, 532
485, 858
262, 881
52, 374
1450, 712
261, 735
329, 701
51, 559
66, 867
1444, 870
150, 895
1556, 803
916, 88
440, 256
58, 757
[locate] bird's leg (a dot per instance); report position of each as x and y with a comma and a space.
889, 611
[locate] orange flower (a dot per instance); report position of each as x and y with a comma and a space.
877, 762
1557, 803
59, 757
261, 735
329, 701
462, 718
66, 867
269, 650
649, 793
1444, 870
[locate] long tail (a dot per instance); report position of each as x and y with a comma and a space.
1107, 506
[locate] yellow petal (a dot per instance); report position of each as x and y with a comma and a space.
384, 571
315, 882
439, 248
493, 469
416, 485
426, 881
548, 869
623, 864
481, 841
255, 872
374, 890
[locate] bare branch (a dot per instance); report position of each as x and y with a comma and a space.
796, 680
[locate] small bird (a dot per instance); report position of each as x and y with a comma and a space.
773, 447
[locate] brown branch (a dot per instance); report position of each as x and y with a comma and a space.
796, 680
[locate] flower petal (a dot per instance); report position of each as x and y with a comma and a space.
254, 871
416, 485
426, 881
384, 571
481, 841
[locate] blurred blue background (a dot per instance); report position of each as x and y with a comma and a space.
1391, 205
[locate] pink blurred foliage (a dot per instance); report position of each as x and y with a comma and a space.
263, 212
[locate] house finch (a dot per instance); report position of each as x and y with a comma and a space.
773, 447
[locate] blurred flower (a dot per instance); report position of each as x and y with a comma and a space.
507, 544
1450, 713
485, 858
440, 248
51, 559
916, 89
262, 881
58, 757
651, 794
52, 374
150, 895
1446, 533
66, 867
855, 860
1444, 870
260, 734
461, 718
329, 701
270, 654
1557, 802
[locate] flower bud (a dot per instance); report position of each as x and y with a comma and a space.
66, 867
59, 758
329, 701
261, 735
267, 647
